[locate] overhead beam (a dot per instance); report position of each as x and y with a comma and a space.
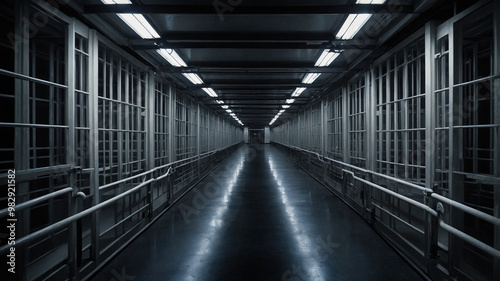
181, 36
250, 45
251, 10
252, 86
248, 70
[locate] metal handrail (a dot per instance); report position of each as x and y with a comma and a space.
64, 222
467, 209
412, 185
191, 159
37, 200
469, 239
473, 241
395, 194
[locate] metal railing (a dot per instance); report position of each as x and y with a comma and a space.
428, 193
148, 179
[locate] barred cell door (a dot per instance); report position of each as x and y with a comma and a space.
466, 138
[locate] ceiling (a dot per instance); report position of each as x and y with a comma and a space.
255, 53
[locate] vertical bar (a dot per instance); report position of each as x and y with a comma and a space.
94, 140
345, 125
70, 143
151, 120
197, 141
430, 146
456, 188
496, 132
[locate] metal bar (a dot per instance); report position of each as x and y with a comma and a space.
251, 10
252, 45
252, 69
399, 219
467, 209
397, 195
62, 223
477, 81
469, 239
27, 125
29, 78
37, 200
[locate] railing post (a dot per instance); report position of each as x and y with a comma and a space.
433, 256
344, 184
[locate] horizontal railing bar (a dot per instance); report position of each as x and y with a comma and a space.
37, 200
196, 157
28, 125
469, 239
62, 223
399, 219
467, 209
123, 220
361, 169
397, 195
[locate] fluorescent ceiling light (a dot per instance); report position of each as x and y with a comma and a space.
172, 57
232, 114
229, 111
194, 78
286, 106
110, 2
370, 2
281, 111
219, 101
210, 92
352, 25
298, 91
225, 106
326, 58
289, 101
310, 78
140, 25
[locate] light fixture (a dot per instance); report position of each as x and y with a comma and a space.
289, 101
370, 1
281, 111
355, 22
220, 101
298, 91
140, 25
225, 106
352, 25
286, 106
194, 78
109, 2
210, 92
326, 58
229, 111
172, 57
310, 78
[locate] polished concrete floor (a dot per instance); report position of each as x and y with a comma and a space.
258, 216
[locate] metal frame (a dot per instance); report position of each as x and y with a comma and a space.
415, 101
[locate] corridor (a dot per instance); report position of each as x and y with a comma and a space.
258, 216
